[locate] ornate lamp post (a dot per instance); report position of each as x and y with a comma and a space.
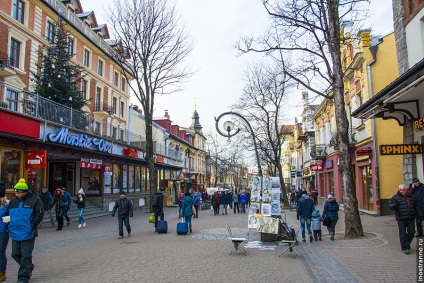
229, 127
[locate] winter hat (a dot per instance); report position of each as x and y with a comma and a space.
330, 196
123, 193
415, 180
81, 191
21, 186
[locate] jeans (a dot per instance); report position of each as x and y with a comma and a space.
188, 220
242, 207
4, 239
126, 221
406, 233
236, 206
308, 226
65, 213
22, 254
81, 215
317, 234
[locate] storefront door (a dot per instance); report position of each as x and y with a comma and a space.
367, 190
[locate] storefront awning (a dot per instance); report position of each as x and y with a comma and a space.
400, 100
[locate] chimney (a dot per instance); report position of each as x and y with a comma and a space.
135, 107
140, 111
167, 115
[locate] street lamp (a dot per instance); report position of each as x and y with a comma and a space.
229, 127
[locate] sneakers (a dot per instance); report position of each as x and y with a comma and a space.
79, 226
407, 252
120, 237
303, 240
311, 239
84, 224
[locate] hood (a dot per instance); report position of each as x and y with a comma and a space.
330, 199
305, 196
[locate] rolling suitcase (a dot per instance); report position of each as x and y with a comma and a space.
182, 227
162, 227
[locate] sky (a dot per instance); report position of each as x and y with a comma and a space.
214, 26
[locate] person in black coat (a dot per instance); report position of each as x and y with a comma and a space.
158, 207
60, 203
417, 189
125, 211
406, 210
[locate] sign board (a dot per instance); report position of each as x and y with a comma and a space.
293, 174
362, 152
315, 167
299, 174
293, 168
399, 149
36, 159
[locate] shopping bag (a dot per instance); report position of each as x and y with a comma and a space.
152, 218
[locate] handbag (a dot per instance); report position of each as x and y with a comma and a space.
326, 221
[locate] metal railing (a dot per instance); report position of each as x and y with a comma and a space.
33, 105
6, 61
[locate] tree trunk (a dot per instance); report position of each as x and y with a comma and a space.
150, 159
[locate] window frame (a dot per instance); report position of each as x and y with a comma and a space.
50, 31
116, 79
15, 51
100, 67
70, 46
86, 56
122, 109
19, 13
114, 105
123, 83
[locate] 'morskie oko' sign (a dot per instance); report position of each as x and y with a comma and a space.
62, 136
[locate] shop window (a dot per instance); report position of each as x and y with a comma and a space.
147, 181
90, 180
125, 178
10, 167
131, 179
137, 181
116, 174
34, 177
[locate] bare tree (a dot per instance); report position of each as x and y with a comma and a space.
154, 50
308, 33
261, 103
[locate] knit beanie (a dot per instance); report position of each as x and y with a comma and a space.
21, 185
81, 191
330, 196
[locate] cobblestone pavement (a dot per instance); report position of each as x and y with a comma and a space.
94, 254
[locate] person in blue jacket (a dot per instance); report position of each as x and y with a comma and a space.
305, 207
196, 203
65, 211
4, 234
331, 209
26, 212
187, 212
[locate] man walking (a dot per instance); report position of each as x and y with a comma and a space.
305, 207
26, 212
125, 211
47, 200
406, 210
157, 204
417, 189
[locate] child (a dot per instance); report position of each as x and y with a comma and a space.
316, 224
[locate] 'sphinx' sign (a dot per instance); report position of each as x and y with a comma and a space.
396, 149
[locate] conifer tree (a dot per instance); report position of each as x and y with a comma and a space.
58, 78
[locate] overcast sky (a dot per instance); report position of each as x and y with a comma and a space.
214, 26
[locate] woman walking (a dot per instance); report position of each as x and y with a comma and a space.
331, 209
187, 211
214, 203
60, 203
80, 201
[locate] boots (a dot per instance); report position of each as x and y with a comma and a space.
191, 231
332, 236
311, 239
2, 276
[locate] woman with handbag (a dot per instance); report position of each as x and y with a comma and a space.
60, 203
331, 210
187, 211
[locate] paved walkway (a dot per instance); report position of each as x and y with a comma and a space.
94, 254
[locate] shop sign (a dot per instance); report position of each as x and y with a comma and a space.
160, 159
82, 140
293, 174
363, 151
329, 164
419, 124
315, 167
398, 149
299, 174
293, 168
91, 163
131, 152
36, 159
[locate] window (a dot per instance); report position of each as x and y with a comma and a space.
114, 105
100, 68
50, 31
12, 99
18, 10
15, 49
97, 128
114, 132
10, 163
122, 110
123, 84
115, 78
70, 48
86, 59
122, 135
98, 98
84, 88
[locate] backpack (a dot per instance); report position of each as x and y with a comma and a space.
155, 200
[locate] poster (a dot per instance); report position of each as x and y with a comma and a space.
266, 209
275, 208
255, 195
268, 225
252, 222
275, 194
254, 208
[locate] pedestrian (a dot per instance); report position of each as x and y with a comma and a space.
4, 234
187, 203
218, 196
205, 196
316, 225
314, 195
125, 211
305, 207
236, 202
224, 202
157, 204
47, 200
80, 201
417, 189
68, 207
248, 200
331, 209
292, 197
180, 200
26, 212
214, 203
243, 201
406, 210
298, 195
60, 203
196, 204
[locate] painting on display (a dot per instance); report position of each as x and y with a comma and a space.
266, 209
268, 225
275, 208
254, 207
275, 194
252, 222
255, 194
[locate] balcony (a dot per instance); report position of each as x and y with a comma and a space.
352, 135
102, 110
6, 65
319, 151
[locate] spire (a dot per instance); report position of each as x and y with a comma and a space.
195, 124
